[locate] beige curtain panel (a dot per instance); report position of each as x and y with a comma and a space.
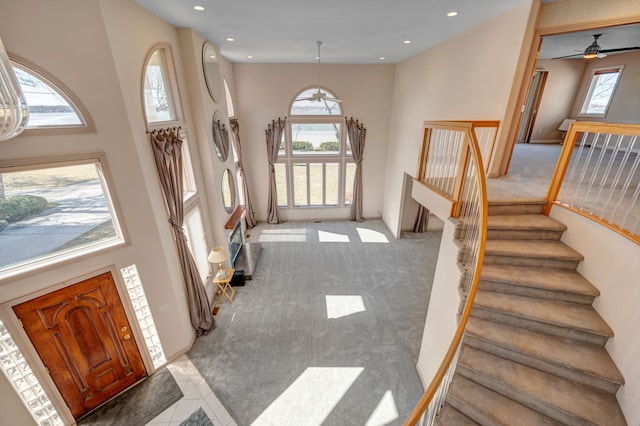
250, 217
274, 133
167, 152
356, 134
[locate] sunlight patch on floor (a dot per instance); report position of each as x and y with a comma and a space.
310, 398
371, 236
283, 235
342, 306
385, 412
332, 237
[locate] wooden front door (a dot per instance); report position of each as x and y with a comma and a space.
84, 339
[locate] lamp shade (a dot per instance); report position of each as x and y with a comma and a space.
218, 255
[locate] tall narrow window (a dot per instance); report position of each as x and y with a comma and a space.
314, 156
601, 90
158, 91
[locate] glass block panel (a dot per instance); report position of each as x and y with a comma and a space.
25, 382
143, 313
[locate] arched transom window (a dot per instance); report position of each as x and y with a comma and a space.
315, 167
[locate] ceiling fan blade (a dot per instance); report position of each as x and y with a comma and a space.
620, 49
305, 99
568, 56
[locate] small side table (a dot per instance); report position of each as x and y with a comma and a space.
224, 286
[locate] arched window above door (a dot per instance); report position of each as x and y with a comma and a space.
53, 108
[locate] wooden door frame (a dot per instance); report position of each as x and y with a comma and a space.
19, 335
539, 89
532, 59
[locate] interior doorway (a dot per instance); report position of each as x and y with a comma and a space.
84, 339
532, 106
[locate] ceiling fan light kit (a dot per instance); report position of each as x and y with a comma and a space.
319, 95
593, 49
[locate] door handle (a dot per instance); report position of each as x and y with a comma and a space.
126, 336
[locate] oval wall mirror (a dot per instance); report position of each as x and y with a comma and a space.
228, 191
211, 71
220, 136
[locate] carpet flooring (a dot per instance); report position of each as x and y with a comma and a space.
138, 405
329, 329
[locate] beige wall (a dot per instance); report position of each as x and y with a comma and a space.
611, 264
460, 79
98, 49
563, 78
265, 92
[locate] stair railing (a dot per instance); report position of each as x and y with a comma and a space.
598, 175
451, 165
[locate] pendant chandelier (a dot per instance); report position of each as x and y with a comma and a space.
13, 114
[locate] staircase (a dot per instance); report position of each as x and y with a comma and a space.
533, 353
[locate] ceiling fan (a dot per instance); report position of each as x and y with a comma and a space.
319, 95
595, 51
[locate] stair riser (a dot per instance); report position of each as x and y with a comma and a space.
529, 324
558, 370
468, 411
535, 292
497, 259
523, 398
511, 209
511, 234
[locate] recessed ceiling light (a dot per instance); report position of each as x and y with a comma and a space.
250, 57
199, 8
381, 58
452, 13
407, 42
231, 39
212, 56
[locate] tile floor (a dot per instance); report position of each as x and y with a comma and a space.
196, 394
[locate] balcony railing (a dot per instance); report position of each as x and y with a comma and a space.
451, 165
598, 175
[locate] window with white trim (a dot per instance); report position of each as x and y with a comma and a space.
314, 167
54, 212
53, 108
162, 109
602, 87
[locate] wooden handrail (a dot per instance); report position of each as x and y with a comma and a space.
476, 157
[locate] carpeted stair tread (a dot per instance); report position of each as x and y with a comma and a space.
551, 279
584, 362
529, 252
532, 248
564, 400
449, 416
531, 222
574, 316
490, 408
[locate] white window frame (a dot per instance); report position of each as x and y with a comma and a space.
87, 125
289, 159
81, 252
590, 90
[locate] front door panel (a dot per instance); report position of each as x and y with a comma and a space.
82, 335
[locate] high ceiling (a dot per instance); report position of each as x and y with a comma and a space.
353, 31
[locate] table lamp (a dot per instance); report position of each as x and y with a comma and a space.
219, 255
